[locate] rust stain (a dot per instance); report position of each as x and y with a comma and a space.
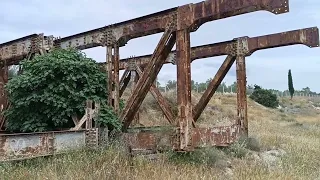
29, 145
192, 15
200, 137
177, 24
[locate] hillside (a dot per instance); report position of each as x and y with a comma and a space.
284, 145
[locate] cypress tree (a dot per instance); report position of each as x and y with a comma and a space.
290, 83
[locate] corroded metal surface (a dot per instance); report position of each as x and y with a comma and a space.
138, 27
195, 15
29, 145
116, 87
109, 67
14, 51
150, 138
165, 139
306, 36
177, 24
242, 107
215, 136
210, 10
184, 105
189, 16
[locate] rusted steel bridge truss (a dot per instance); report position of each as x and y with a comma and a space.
176, 24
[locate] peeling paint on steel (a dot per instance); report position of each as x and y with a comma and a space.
194, 15
200, 137
254, 44
29, 145
69, 141
303, 37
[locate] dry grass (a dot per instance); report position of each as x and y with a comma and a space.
106, 164
296, 132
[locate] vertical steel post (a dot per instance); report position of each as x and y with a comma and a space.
3, 95
116, 88
109, 68
242, 112
184, 88
89, 114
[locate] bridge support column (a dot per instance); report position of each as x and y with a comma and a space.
112, 69
242, 107
185, 118
3, 94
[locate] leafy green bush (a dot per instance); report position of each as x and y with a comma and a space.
54, 87
264, 97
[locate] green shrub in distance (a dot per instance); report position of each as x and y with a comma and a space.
264, 97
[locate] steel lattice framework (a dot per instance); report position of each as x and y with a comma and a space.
176, 24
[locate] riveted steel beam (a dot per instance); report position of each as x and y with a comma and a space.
196, 15
116, 89
306, 36
14, 51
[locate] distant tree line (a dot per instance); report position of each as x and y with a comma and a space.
223, 87
232, 88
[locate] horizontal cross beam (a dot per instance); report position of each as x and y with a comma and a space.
306, 36
194, 14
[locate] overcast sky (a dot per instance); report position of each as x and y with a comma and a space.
267, 68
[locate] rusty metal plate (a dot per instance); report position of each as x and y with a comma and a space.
153, 138
30, 145
165, 139
216, 136
69, 141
